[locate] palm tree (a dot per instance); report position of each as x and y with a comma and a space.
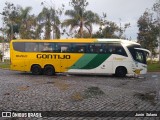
10, 15
81, 19
55, 24
50, 20
26, 23
45, 20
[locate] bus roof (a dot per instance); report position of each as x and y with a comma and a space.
83, 40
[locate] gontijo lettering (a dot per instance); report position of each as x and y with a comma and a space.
52, 56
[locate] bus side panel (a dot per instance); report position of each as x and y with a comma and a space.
69, 61
106, 67
18, 61
42, 59
93, 63
119, 60
18, 65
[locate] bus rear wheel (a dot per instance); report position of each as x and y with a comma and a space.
121, 72
49, 70
36, 70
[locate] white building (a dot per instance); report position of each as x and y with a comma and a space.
5, 51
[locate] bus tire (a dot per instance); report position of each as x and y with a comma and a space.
49, 70
36, 70
121, 71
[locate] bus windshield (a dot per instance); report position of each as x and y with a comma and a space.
137, 54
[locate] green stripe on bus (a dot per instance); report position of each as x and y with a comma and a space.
96, 61
83, 61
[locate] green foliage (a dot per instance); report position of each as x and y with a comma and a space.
149, 28
10, 20
109, 29
5, 64
1, 55
148, 31
80, 18
19, 22
49, 19
153, 67
26, 23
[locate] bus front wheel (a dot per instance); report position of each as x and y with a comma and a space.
49, 70
36, 70
121, 72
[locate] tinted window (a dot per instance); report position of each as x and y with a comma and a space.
100, 48
36, 47
65, 47
30, 47
46, 47
79, 48
19, 46
138, 55
115, 49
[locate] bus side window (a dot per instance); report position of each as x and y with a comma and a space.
80, 48
101, 49
30, 47
108, 48
36, 47
111, 50
120, 50
40, 47
65, 47
91, 48
55, 47
19, 46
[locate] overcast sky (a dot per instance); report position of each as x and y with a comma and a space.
128, 11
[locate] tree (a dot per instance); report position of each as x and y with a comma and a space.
122, 30
107, 29
10, 20
45, 18
50, 21
156, 8
80, 17
49, 18
26, 23
148, 31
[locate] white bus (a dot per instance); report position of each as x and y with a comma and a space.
86, 56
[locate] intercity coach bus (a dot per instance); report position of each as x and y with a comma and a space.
86, 56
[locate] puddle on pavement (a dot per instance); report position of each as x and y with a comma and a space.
149, 97
87, 93
23, 88
50, 82
6, 94
154, 76
61, 85
92, 91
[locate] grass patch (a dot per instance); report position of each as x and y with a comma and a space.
154, 67
148, 97
5, 64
